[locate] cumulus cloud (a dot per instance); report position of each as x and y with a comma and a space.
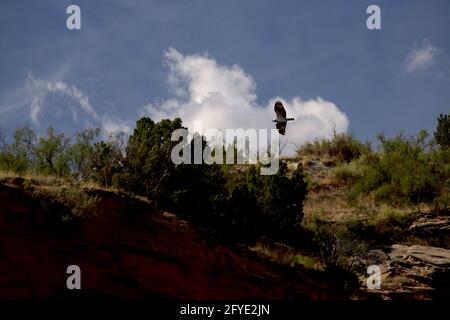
38, 89
421, 58
225, 97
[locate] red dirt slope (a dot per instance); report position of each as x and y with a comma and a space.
130, 250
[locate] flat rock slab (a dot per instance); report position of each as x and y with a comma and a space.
431, 224
418, 271
432, 255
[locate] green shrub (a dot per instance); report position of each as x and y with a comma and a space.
64, 204
347, 173
341, 147
340, 248
275, 201
305, 261
250, 204
385, 225
106, 162
387, 193
17, 156
147, 165
407, 170
442, 133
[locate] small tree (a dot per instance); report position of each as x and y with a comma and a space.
279, 197
442, 133
18, 155
147, 162
81, 153
51, 154
107, 160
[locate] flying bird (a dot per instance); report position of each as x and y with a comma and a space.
281, 120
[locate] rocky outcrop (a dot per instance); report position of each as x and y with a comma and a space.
411, 272
316, 166
431, 224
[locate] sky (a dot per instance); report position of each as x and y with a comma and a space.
225, 63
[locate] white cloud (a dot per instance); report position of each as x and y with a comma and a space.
38, 89
421, 58
225, 97
110, 126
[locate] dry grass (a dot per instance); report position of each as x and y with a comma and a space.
385, 216
50, 190
325, 199
346, 174
92, 185
35, 179
285, 255
76, 202
8, 174
48, 181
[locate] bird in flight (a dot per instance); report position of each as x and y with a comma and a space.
281, 120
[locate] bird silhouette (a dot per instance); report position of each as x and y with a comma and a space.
281, 120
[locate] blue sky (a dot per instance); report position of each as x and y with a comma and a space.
116, 68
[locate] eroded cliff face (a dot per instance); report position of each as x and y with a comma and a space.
129, 249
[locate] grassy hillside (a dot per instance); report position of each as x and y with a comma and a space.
338, 207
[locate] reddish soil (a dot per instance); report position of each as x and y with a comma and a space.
130, 250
